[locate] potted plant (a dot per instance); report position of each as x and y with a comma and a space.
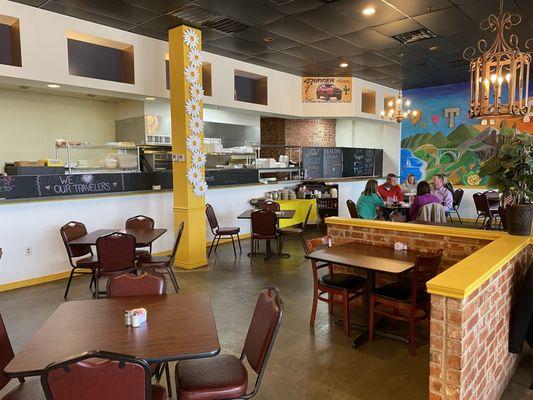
511, 168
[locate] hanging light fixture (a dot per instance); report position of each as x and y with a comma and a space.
499, 74
396, 112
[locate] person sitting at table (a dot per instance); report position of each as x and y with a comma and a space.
409, 186
369, 201
442, 192
390, 189
423, 197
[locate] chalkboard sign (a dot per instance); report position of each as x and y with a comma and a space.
57, 185
229, 176
312, 162
358, 162
7, 184
332, 158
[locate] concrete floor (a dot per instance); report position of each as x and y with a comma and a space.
305, 363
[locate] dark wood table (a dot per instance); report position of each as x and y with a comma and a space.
388, 209
282, 214
178, 327
372, 259
143, 237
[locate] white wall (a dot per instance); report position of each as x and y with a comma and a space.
31, 122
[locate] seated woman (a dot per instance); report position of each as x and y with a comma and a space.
369, 201
409, 186
423, 197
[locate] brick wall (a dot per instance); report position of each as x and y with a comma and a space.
272, 132
469, 357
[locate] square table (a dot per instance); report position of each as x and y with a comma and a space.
178, 327
372, 259
143, 237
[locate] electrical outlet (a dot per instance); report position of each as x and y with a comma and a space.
28, 251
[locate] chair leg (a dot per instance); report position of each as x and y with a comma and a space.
211, 247
313, 308
169, 383
233, 243
477, 219
239, 241
97, 285
459, 217
330, 303
216, 246
371, 322
68, 283
304, 245
346, 314
412, 334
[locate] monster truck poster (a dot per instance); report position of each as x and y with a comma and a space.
326, 90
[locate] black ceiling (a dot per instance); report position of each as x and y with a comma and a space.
312, 37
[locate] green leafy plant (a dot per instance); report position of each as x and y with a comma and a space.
512, 167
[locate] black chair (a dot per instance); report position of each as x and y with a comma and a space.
296, 231
484, 211
141, 222
457, 199
264, 227
352, 209
219, 232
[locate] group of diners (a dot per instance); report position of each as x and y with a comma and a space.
414, 195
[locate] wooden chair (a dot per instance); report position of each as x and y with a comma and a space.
141, 222
457, 199
346, 286
219, 232
269, 205
352, 209
225, 376
264, 227
404, 299
295, 231
164, 264
27, 390
100, 375
396, 216
81, 257
128, 284
116, 253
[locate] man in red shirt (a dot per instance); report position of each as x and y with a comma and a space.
391, 189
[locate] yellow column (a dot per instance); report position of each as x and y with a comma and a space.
187, 144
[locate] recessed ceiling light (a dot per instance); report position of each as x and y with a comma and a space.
433, 48
149, 98
53, 86
268, 39
24, 87
343, 64
369, 11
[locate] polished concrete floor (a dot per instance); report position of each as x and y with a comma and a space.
306, 363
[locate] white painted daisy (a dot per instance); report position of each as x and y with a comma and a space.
191, 74
200, 189
194, 175
195, 57
196, 91
198, 159
191, 38
192, 107
196, 125
193, 143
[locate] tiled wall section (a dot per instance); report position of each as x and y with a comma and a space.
455, 248
469, 357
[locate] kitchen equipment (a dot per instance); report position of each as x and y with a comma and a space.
109, 163
153, 159
127, 161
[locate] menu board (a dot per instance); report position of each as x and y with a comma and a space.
358, 162
312, 162
332, 162
231, 176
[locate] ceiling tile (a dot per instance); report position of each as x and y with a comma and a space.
370, 39
383, 15
479, 11
526, 6
209, 35
141, 30
238, 45
242, 10
329, 19
370, 60
338, 46
308, 53
445, 22
258, 35
161, 6
418, 7
297, 30
397, 27
35, 3
278, 57
223, 52
292, 6
163, 23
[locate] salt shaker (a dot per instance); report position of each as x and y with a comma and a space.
127, 318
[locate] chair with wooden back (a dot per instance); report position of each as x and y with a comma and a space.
352, 208
165, 264
128, 284
219, 232
296, 231
141, 222
264, 227
81, 257
27, 390
100, 375
116, 253
225, 376
405, 298
326, 287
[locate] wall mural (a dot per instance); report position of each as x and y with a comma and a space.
442, 138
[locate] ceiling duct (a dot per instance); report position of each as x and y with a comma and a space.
414, 36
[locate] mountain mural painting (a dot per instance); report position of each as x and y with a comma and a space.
450, 143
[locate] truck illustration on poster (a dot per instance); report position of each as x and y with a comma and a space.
326, 90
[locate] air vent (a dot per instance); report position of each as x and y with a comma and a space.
458, 63
414, 36
196, 15
226, 25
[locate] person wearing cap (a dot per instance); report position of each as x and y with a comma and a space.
390, 189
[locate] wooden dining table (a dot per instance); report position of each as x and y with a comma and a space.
178, 327
370, 259
143, 237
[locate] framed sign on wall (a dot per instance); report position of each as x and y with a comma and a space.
326, 90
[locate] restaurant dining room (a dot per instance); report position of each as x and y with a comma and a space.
269, 199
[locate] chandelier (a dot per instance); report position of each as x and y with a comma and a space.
396, 111
499, 74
